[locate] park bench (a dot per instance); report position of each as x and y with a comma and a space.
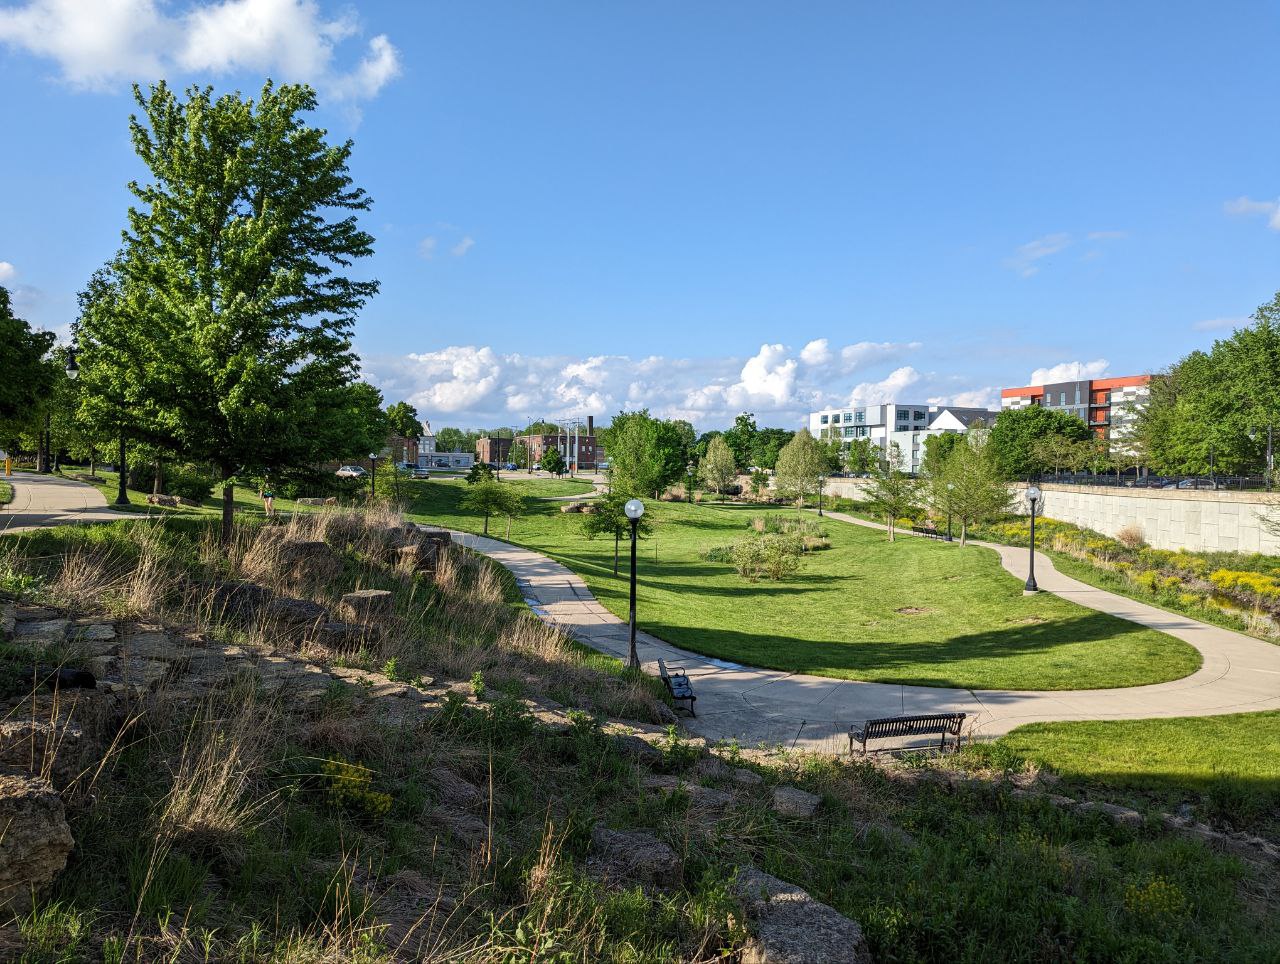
678, 685
946, 724
929, 531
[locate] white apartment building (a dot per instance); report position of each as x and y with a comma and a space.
900, 423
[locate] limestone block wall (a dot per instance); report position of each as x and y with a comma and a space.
1199, 521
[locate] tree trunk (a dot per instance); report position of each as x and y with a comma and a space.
122, 494
616, 537
486, 523
964, 532
889, 522
93, 462
157, 484
228, 505
508, 536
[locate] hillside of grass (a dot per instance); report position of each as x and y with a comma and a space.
906, 612
427, 800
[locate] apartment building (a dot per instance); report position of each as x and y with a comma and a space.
1109, 406
897, 423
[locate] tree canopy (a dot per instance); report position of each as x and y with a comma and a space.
26, 373
800, 464
646, 454
718, 468
229, 304
1017, 438
402, 420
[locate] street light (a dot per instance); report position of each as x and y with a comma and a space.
691, 468
1271, 463
821, 481
1033, 496
373, 475
634, 509
950, 488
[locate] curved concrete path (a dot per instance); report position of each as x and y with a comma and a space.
1239, 673
51, 500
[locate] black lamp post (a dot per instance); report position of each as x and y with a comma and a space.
822, 479
1033, 496
373, 475
634, 509
691, 468
950, 488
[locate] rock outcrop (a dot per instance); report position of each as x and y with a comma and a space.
788, 926
623, 858
36, 840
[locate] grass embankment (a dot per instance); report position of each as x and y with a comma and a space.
908, 612
263, 855
6, 493
545, 488
247, 501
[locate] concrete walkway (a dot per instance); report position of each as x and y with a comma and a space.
51, 500
1239, 674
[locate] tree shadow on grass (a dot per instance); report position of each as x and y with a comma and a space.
918, 662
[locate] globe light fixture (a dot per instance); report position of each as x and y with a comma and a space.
1033, 498
634, 510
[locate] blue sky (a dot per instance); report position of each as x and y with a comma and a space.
711, 207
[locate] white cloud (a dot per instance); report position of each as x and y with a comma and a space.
7, 271
988, 398
1248, 207
866, 353
887, 389
462, 247
427, 248
106, 43
1214, 324
817, 352
1069, 372
1024, 259
478, 386
1107, 235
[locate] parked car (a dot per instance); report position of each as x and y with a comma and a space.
1194, 484
537, 466
351, 472
510, 466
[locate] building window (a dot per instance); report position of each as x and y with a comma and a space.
1062, 399
848, 416
902, 414
918, 415
849, 431
904, 428
861, 416
824, 420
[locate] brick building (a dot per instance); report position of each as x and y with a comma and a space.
493, 448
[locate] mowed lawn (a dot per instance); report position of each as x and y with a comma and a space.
914, 611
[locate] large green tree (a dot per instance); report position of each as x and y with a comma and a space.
646, 454
402, 420
718, 467
1017, 438
27, 374
801, 463
741, 439
893, 493
234, 279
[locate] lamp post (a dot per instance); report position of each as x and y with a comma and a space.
822, 479
73, 372
634, 509
1033, 496
950, 488
373, 475
691, 468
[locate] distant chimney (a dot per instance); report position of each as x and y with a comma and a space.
591, 425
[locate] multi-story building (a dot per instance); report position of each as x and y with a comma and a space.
494, 449
1109, 406
896, 423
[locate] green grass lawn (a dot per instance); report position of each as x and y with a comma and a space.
246, 499
1230, 764
6, 493
540, 488
913, 611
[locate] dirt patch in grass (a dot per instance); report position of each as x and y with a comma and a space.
912, 611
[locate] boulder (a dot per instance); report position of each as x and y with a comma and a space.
234, 599
794, 802
41, 632
455, 791
169, 501
39, 748
626, 857
36, 840
638, 749
301, 562
288, 611
787, 926
310, 500
343, 637
366, 605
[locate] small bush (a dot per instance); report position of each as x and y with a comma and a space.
1131, 537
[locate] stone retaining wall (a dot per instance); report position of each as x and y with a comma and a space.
1168, 518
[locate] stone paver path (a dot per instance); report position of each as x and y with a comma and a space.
51, 500
1239, 673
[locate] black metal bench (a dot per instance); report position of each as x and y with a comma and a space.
929, 531
946, 724
678, 685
